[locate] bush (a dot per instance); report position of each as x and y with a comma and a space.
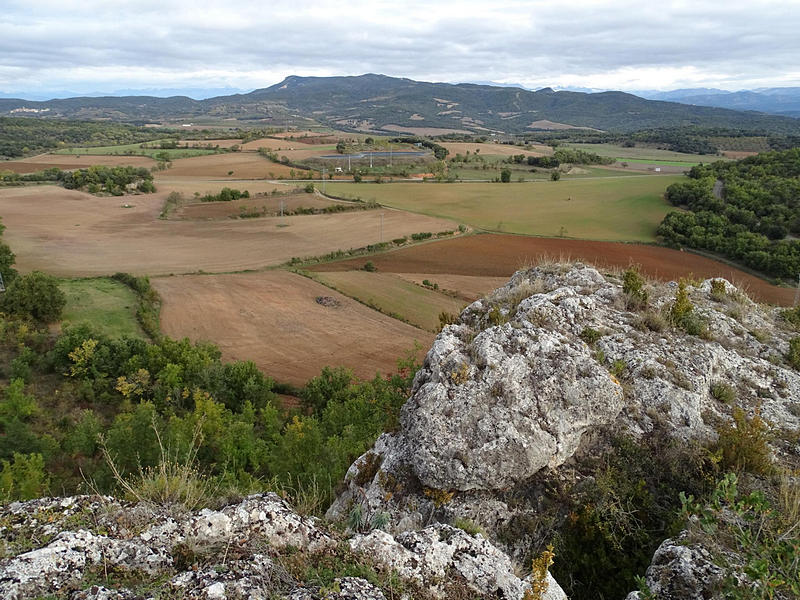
505, 175
633, 288
723, 392
370, 266
743, 444
23, 478
590, 336
35, 295
555, 176
793, 357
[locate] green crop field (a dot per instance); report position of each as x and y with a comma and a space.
107, 305
136, 150
642, 154
610, 208
665, 163
393, 296
524, 171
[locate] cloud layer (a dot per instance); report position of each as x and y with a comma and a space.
99, 45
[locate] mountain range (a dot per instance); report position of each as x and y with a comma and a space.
383, 104
780, 100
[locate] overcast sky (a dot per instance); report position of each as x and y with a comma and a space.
105, 45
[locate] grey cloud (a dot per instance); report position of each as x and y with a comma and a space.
536, 42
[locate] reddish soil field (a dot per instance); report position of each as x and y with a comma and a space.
245, 165
272, 204
493, 255
71, 233
71, 161
273, 319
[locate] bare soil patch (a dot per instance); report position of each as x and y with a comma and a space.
71, 161
545, 124
71, 233
493, 255
189, 185
423, 130
244, 165
269, 204
494, 149
274, 320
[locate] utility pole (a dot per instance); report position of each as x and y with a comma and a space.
348, 163
323, 180
390, 155
370, 160
382, 229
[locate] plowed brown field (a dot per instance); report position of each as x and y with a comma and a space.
71, 161
70, 233
492, 255
272, 205
274, 320
494, 149
245, 165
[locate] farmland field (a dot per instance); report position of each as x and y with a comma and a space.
245, 165
135, 150
641, 153
494, 149
393, 295
613, 208
70, 233
107, 305
491, 255
207, 185
274, 319
70, 161
271, 205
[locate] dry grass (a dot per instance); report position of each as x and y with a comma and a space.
174, 481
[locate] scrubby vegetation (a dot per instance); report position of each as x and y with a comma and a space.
225, 195
145, 397
23, 136
97, 179
750, 219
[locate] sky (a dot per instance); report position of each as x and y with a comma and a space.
101, 46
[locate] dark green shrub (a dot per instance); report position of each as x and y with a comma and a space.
633, 288
793, 357
35, 295
590, 336
370, 266
723, 392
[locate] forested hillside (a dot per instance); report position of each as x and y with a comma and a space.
21, 136
747, 210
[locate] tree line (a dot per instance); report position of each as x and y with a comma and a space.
22, 136
96, 179
748, 210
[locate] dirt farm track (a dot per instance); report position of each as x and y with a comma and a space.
273, 319
492, 255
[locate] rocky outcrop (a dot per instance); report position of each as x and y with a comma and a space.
258, 548
681, 570
534, 373
438, 556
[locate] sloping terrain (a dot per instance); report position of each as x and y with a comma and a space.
373, 102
